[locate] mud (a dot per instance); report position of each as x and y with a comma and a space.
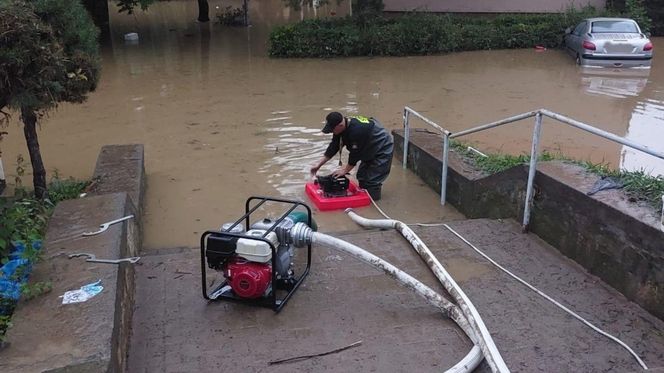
221, 121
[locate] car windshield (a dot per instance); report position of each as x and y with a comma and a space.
613, 26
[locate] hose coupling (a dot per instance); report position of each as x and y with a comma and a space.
301, 234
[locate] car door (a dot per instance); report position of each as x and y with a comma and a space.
576, 38
569, 40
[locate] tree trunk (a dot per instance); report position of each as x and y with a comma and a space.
38, 172
3, 183
203, 11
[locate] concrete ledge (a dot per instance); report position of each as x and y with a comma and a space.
120, 168
613, 238
93, 336
84, 337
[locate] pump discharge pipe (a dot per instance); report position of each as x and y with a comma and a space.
485, 340
302, 235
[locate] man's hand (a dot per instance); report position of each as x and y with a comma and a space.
342, 171
314, 169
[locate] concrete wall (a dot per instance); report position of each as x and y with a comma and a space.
488, 6
613, 238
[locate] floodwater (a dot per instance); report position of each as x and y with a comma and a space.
221, 121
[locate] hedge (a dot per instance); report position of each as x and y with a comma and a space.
421, 34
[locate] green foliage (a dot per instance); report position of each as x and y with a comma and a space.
231, 16
31, 291
368, 7
128, 6
5, 323
24, 217
22, 220
639, 185
636, 10
49, 53
63, 189
655, 10
494, 163
420, 34
644, 186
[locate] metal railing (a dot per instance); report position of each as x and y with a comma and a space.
538, 114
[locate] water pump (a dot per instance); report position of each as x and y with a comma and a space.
256, 259
333, 186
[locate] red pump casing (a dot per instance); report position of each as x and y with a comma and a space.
248, 279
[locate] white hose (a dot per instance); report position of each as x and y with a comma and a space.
556, 303
474, 357
468, 363
593, 327
485, 341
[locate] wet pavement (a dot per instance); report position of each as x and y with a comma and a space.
343, 301
221, 121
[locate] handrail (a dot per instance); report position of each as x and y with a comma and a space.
425, 119
495, 124
446, 140
447, 135
599, 132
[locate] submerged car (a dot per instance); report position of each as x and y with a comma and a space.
609, 42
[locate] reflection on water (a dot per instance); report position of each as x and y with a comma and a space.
617, 83
646, 127
221, 121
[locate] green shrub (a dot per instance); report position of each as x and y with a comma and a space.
638, 185
636, 9
655, 9
421, 34
24, 217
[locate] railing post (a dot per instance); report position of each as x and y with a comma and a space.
531, 171
443, 173
406, 137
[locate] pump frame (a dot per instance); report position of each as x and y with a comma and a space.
270, 301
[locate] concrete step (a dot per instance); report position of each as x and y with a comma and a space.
344, 301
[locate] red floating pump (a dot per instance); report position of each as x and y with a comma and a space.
248, 279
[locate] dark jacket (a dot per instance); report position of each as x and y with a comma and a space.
363, 137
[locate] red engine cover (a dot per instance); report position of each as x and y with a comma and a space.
248, 279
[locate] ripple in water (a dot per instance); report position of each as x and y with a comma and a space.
295, 146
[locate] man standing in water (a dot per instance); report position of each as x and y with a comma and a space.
367, 142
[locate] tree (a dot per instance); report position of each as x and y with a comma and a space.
49, 54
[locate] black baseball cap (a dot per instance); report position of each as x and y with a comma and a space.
331, 121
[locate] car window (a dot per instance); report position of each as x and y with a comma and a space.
579, 28
614, 26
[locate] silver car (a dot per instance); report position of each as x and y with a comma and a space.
609, 42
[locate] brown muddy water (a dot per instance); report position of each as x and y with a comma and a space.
221, 121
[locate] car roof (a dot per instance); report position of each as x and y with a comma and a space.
608, 19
